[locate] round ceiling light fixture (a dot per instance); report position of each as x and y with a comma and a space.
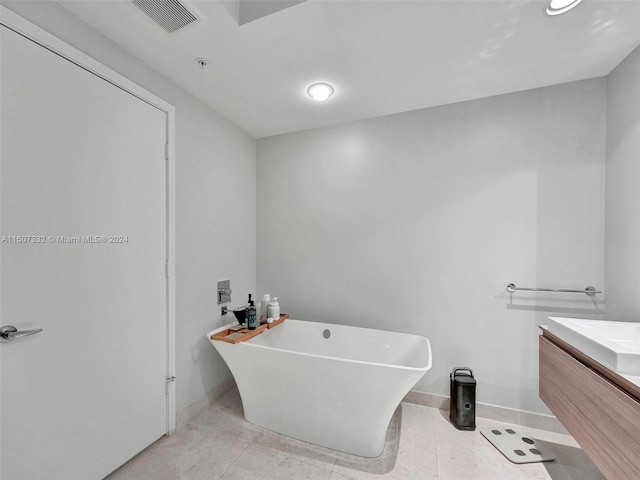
557, 7
320, 91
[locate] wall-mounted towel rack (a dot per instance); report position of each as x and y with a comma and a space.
588, 290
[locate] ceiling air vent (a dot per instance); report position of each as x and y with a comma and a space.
170, 15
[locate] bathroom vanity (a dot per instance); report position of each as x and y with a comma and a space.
598, 405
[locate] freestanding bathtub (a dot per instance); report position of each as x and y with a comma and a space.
331, 385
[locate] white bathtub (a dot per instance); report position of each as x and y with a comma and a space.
338, 392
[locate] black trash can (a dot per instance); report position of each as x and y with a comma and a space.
463, 399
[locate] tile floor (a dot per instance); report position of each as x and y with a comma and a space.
421, 444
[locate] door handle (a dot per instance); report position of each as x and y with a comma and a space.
8, 333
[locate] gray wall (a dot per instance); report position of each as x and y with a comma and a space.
622, 246
215, 219
413, 222
416, 222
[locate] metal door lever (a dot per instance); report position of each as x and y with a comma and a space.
8, 333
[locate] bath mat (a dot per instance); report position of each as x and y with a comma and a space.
518, 447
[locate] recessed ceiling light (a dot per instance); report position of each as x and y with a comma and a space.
320, 91
556, 7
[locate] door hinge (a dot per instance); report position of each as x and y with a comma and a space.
166, 152
170, 380
166, 270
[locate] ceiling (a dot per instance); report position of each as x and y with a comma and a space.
382, 56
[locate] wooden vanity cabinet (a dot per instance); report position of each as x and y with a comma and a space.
600, 408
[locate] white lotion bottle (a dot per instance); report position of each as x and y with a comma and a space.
264, 306
274, 309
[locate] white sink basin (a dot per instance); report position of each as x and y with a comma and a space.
614, 344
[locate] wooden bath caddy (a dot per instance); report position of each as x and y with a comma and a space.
235, 335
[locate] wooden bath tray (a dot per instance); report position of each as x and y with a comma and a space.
233, 335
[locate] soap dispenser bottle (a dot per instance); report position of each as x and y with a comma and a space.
251, 315
274, 309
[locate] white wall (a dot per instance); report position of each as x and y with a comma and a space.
622, 246
215, 196
416, 222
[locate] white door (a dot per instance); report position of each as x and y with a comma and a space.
83, 253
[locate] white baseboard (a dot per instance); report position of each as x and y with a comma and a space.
484, 410
493, 412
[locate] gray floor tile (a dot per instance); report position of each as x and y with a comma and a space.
262, 463
219, 444
192, 453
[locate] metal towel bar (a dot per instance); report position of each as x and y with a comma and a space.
588, 290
